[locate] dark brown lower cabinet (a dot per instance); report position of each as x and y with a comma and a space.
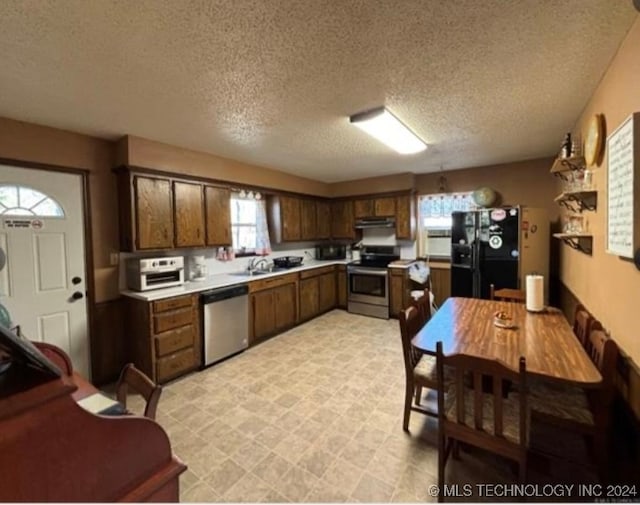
342, 286
327, 291
309, 298
272, 306
318, 291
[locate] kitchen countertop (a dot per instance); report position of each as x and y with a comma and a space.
222, 280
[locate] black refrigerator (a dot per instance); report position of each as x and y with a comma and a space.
485, 250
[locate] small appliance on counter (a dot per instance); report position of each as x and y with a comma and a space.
331, 252
155, 273
197, 268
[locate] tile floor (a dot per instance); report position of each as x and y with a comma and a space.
312, 415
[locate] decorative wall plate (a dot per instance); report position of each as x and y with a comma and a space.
594, 139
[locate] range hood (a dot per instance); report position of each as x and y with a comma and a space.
375, 222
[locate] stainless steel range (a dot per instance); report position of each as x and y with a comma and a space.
368, 281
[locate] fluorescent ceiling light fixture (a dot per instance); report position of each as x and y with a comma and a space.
388, 129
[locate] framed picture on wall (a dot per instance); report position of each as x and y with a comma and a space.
623, 181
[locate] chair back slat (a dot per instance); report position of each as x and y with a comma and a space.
459, 395
476, 368
424, 307
497, 406
603, 352
410, 324
131, 377
581, 324
477, 400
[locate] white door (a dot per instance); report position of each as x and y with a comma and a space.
43, 285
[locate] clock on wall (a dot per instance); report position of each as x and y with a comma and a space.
593, 141
484, 197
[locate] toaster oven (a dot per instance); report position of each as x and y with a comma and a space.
155, 273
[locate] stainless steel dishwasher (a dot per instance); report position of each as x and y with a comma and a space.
226, 322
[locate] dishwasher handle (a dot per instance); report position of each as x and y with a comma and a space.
217, 295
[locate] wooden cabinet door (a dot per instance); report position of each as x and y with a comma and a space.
290, 218
363, 208
405, 219
285, 306
309, 298
396, 292
342, 219
342, 287
263, 314
327, 291
188, 202
154, 213
308, 220
218, 216
385, 206
323, 220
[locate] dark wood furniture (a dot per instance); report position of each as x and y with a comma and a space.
399, 291
581, 324
545, 339
341, 281
342, 219
57, 356
419, 368
440, 275
483, 419
579, 410
273, 306
132, 378
188, 199
164, 336
52, 450
506, 294
423, 304
166, 211
318, 291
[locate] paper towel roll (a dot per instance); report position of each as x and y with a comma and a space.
535, 293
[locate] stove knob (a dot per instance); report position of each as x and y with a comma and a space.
154, 263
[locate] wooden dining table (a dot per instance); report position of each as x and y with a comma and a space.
545, 339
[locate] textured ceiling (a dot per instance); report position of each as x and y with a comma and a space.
272, 82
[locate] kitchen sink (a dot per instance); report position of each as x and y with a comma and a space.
255, 273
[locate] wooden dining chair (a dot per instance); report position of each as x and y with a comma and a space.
583, 411
420, 369
506, 294
581, 324
471, 415
131, 377
423, 305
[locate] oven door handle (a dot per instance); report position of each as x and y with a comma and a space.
380, 273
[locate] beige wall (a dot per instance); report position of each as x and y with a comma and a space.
39, 144
147, 153
521, 183
607, 285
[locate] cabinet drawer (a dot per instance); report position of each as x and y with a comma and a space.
272, 282
170, 320
175, 365
172, 303
314, 272
174, 340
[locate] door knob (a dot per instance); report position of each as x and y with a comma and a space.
76, 280
77, 295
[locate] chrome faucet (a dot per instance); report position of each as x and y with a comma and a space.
254, 262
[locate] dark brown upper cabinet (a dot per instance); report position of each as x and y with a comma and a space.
405, 217
342, 220
323, 219
385, 207
188, 202
153, 213
363, 208
308, 220
218, 214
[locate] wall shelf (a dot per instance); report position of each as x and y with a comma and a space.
577, 201
579, 241
562, 165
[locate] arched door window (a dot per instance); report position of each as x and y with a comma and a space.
18, 200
